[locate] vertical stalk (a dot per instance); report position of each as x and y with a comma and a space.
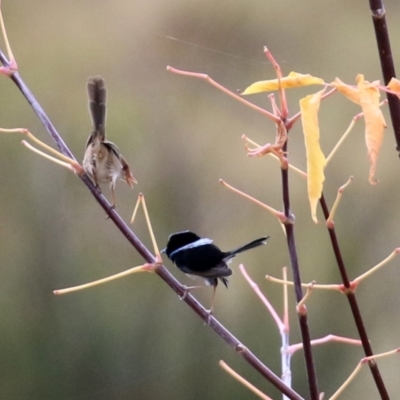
302, 313
387, 65
351, 297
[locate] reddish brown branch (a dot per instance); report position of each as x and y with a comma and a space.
305, 333
351, 298
387, 65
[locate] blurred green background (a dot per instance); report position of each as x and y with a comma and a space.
133, 338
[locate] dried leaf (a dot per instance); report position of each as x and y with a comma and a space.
350, 92
316, 162
293, 80
374, 121
394, 85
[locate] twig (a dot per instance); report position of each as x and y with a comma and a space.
385, 55
243, 381
205, 77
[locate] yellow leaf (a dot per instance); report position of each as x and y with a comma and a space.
350, 92
293, 80
309, 107
394, 85
374, 122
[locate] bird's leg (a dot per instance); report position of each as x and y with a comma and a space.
112, 187
210, 311
114, 201
187, 289
95, 181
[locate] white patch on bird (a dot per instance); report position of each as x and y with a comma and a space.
197, 243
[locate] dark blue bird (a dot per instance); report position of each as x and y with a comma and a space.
199, 256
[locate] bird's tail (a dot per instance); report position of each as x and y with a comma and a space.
97, 105
248, 246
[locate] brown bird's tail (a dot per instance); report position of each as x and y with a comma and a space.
97, 107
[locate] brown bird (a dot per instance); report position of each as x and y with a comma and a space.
103, 161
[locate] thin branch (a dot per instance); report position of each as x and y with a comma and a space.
205, 77
343, 138
301, 304
279, 215
290, 166
44, 155
329, 338
394, 253
265, 301
286, 357
305, 333
351, 297
243, 381
142, 201
339, 195
387, 65
141, 268
282, 94
358, 368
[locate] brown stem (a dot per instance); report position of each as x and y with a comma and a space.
162, 272
305, 333
385, 55
351, 297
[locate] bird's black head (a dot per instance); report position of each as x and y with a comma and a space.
178, 240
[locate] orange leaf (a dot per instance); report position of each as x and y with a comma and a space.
309, 107
394, 85
350, 92
293, 80
374, 122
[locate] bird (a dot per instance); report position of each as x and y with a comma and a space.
102, 161
199, 256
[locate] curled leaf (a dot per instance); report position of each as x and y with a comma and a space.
394, 86
316, 161
294, 79
374, 121
350, 92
